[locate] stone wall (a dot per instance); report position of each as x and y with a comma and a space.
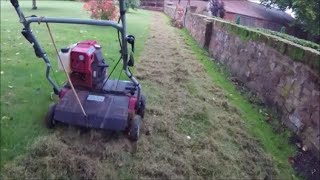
283, 74
169, 10
200, 29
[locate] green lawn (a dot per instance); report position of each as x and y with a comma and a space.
25, 92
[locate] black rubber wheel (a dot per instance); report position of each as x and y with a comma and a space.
49, 120
142, 107
134, 131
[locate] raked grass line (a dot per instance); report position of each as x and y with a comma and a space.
275, 144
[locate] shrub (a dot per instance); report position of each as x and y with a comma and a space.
133, 4
216, 8
283, 30
288, 37
178, 16
102, 9
238, 20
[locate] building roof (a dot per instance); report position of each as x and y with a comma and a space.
256, 10
247, 8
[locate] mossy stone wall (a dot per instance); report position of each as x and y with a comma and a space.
285, 75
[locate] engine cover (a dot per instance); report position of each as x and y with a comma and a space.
88, 67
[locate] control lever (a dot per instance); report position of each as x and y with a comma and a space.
131, 60
103, 65
131, 89
29, 38
130, 39
27, 35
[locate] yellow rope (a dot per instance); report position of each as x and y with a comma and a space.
74, 91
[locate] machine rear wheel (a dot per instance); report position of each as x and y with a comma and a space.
142, 107
49, 120
134, 132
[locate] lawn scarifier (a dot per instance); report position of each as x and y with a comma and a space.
89, 98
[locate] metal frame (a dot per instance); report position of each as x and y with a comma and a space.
26, 21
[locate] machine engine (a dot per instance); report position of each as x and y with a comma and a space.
87, 66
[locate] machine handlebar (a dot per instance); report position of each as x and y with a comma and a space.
15, 3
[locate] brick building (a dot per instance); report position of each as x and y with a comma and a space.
251, 14
256, 15
156, 5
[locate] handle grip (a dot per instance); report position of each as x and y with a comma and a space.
15, 3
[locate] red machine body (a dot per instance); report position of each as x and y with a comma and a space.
95, 101
87, 65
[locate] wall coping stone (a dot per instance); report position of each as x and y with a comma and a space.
296, 52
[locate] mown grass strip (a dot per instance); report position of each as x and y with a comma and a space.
275, 144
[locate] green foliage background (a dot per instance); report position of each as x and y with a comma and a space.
133, 4
307, 12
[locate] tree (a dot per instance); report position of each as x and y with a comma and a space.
34, 4
306, 12
216, 8
133, 4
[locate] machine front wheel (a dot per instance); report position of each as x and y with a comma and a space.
134, 132
49, 120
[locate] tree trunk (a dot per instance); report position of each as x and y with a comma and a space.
34, 4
